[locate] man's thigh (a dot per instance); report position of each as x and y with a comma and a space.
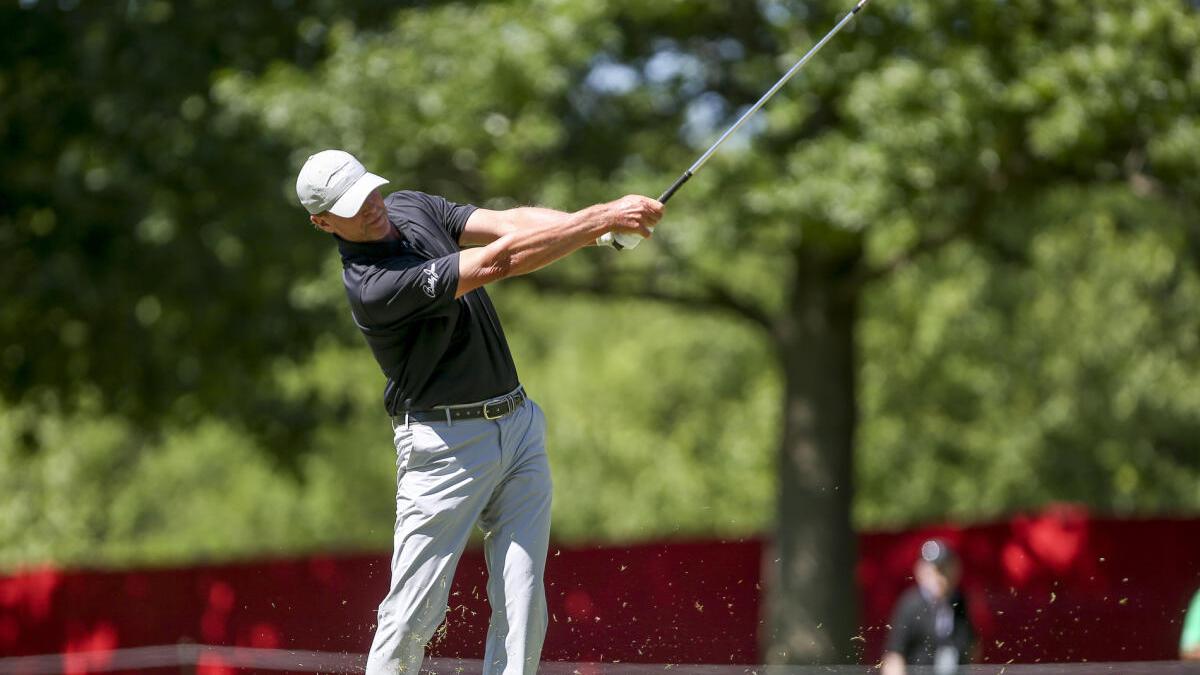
520, 506
445, 478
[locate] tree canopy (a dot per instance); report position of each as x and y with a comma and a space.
948, 272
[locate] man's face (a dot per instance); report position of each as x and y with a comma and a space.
937, 582
369, 224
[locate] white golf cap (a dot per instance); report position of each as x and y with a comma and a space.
334, 181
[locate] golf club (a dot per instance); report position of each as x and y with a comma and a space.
629, 241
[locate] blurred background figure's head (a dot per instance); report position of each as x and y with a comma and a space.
937, 569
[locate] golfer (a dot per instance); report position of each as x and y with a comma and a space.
470, 444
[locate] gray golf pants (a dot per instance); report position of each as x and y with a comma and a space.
450, 477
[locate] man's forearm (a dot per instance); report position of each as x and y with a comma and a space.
548, 236
535, 216
485, 227
535, 243
544, 235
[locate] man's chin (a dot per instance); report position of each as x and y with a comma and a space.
376, 232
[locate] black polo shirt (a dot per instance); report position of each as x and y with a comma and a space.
433, 349
921, 628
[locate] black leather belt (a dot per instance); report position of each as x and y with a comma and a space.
492, 409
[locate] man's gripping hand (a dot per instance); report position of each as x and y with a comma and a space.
632, 219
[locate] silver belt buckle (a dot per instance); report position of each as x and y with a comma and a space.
498, 402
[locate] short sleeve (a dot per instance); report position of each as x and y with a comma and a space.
451, 216
410, 288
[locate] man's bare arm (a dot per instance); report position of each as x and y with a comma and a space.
546, 236
485, 226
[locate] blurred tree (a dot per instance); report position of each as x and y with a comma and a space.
97, 492
1038, 159
1072, 374
82, 488
152, 330
140, 272
926, 125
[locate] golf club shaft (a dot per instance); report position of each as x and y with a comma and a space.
683, 178
691, 171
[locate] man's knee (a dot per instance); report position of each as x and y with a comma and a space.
407, 629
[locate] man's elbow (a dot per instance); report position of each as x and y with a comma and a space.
502, 261
498, 262
506, 257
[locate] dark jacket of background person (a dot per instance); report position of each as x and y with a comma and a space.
916, 634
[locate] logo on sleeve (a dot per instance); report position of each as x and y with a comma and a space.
429, 283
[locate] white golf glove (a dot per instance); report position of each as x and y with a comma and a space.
626, 241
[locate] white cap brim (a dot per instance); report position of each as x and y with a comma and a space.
349, 203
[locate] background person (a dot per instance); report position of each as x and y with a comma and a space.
1189, 641
930, 623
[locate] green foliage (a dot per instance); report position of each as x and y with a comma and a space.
676, 439
86, 489
924, 124
1072, 377
1014, 185
97, 491
145, 269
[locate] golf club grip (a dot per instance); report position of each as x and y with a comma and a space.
627, 241
683, 178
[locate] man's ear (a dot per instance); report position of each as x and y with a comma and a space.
319, 223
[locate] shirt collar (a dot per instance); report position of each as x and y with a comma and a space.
385, 248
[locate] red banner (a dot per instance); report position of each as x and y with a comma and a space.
1054, 587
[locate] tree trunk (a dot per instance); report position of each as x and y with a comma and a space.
812, 599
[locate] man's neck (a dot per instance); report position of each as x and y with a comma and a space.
392, 234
